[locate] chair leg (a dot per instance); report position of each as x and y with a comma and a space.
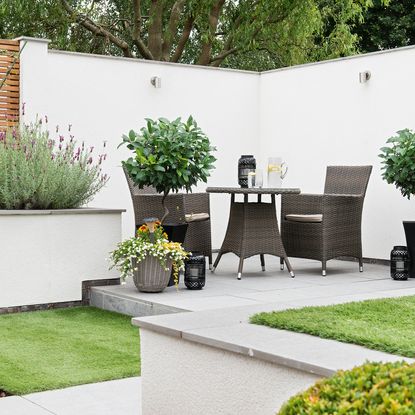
216, 261
323, 268
281, 264
240, 268
210, 262
262, 261
361, 264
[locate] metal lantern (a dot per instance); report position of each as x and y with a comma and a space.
246, 164
400, 263
195, 272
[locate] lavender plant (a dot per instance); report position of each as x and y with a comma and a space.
40, 172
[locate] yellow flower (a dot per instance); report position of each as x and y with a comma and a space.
142, 229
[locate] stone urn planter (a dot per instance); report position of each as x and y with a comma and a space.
150, 276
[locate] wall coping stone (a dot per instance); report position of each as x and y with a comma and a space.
79, 211
224, 329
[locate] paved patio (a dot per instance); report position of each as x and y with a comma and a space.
344, 282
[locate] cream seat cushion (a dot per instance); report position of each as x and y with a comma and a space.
197, 217
315, 218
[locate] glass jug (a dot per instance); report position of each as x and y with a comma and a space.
277, 169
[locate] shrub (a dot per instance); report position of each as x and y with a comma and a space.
399, 162
372, 389
169, 155
37, 172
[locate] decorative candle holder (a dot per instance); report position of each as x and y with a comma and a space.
195, 272
246, 164
399, 263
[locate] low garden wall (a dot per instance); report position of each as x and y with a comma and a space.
181, 377
46, 254
214, 362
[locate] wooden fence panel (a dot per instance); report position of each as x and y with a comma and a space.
9, 83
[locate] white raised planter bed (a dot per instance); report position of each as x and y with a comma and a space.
46, 254
213, 363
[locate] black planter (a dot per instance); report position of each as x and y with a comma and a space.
176, 232
409, 227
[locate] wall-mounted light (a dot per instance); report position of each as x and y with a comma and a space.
156, 81
364, 76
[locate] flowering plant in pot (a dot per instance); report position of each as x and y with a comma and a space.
149, 258
169, 156
398, 161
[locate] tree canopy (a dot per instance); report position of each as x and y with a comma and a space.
246, 34
387, 27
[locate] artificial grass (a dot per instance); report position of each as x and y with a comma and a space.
53, 349
387, 325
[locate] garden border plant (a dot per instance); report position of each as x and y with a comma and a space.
373, 388
41, 172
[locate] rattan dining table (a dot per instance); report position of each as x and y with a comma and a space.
253, 226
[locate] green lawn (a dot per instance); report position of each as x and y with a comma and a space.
53, 349
387, 325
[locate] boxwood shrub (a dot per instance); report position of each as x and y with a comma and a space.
373, 388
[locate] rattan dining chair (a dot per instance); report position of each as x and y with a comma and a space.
191, 208
327, 226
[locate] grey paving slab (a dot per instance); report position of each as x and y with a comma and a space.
118, 397
15, 405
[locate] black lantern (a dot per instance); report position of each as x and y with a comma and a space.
195, 272
400, 263
246, 164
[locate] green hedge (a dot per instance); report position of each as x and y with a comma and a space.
372, 389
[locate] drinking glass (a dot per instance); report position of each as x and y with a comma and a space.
259, 178
251, 179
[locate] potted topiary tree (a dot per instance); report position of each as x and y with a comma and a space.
399, 169
169, 156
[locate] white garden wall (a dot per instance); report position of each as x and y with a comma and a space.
104, 97
311, 115
317, 115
